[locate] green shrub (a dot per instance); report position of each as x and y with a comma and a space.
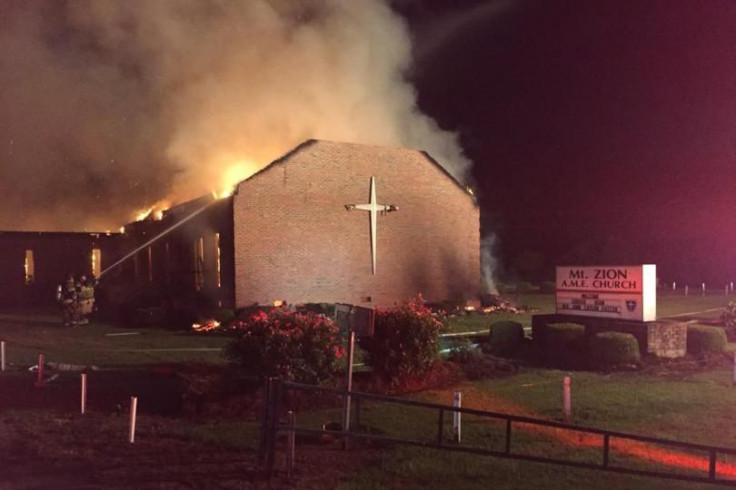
296, 346
565, 343
506, 336
612, 349
405, 341
702, 339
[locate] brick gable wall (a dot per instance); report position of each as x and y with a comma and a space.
295, 240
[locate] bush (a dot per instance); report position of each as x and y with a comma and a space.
702, 339
565, 343
612, 349
405, 341
296, 346
506, 336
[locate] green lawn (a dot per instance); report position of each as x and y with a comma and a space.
100, 344
696, 408
684, 405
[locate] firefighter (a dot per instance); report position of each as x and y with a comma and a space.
85, 299
68, 301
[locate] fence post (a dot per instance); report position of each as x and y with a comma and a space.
83, 401
265, 412
508, 436
686, 289
2, 356
273, 426
566, 401
39, 381
291, 444
440, 426
456, 416
133, 412
358, 403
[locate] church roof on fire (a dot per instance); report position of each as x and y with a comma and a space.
185, 208
310, 142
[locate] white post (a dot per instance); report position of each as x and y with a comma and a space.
566, 401
348, 387
732, 287
2, 356
133, 410
703, 289
83, 403
674, 285
457, 402
686, 288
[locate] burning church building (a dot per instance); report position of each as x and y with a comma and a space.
327, 222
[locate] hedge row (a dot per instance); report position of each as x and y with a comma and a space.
702, 339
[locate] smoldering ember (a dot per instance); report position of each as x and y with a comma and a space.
370, 244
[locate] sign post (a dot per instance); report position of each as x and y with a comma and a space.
357, 321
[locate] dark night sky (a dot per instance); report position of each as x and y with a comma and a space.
601, 132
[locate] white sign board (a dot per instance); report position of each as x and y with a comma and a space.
627, 292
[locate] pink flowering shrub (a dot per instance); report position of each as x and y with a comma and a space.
405, 340
303, 347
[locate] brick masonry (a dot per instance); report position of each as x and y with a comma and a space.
295, 240
661, 338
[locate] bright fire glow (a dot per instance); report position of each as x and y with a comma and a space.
156, 211
232, 175
206, 326
141, 215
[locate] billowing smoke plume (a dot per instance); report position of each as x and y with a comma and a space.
110, 105
488, 264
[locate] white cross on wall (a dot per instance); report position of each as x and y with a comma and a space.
373, 208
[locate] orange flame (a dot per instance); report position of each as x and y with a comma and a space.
233, 174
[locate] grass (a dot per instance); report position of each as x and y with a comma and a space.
687, 406
100, 344
695, 409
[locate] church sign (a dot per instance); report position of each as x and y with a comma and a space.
621, 292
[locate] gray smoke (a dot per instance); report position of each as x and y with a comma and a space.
488, 264
110, 106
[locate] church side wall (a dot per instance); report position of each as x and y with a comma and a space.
54, 255
294, 240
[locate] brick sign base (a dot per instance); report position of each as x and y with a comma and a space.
661, 338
